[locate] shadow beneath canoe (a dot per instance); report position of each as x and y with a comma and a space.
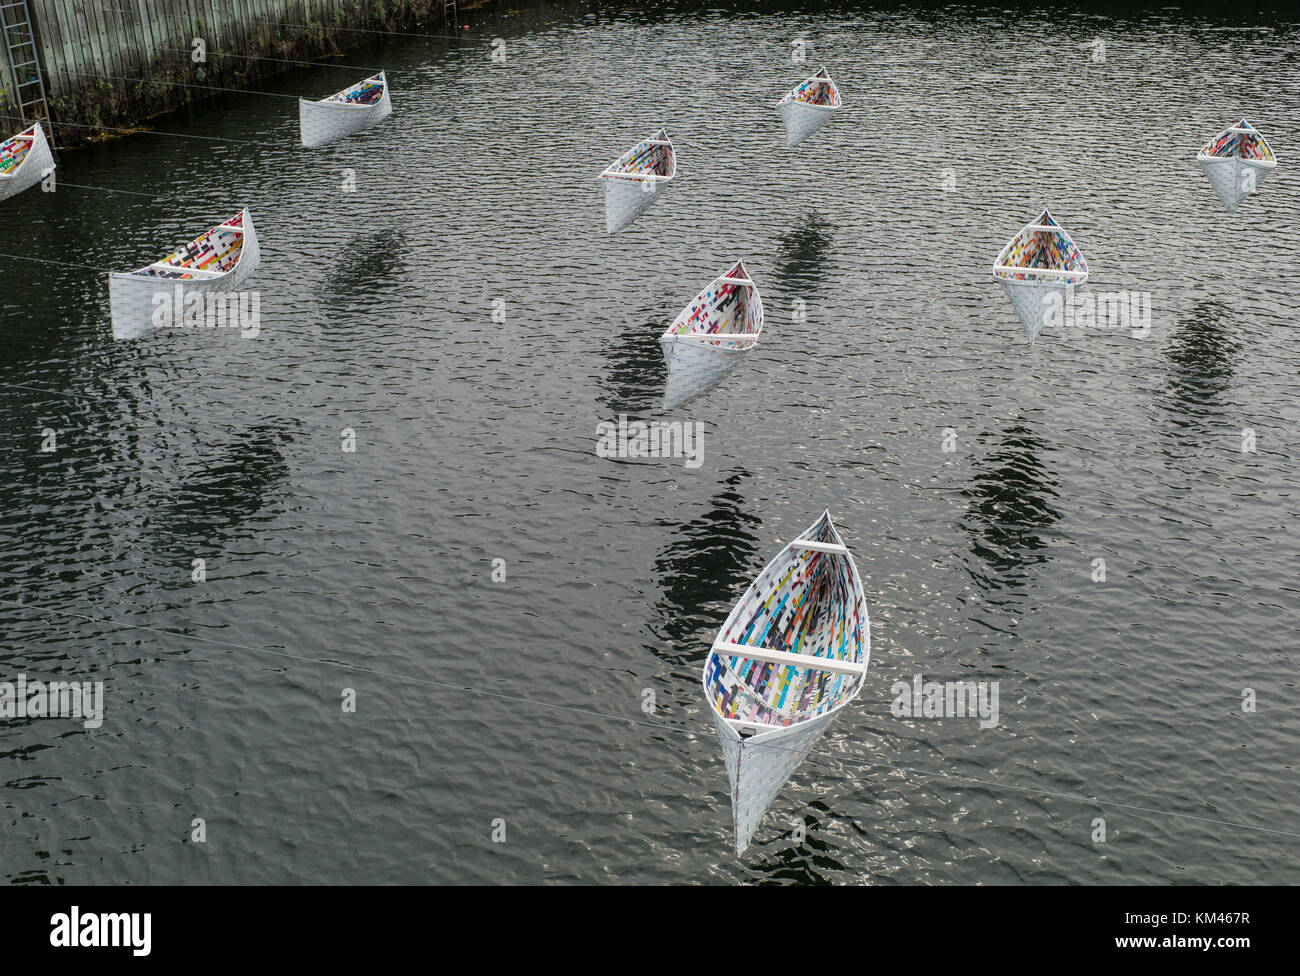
703, 571
368, 265
634, 379
1010, 508
802, 253
226, 490
1202, 357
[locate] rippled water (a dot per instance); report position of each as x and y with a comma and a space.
476, 441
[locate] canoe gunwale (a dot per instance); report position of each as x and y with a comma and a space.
334, 99
821, 74
808, 105
749, 338
660, 138
1241, 128
245, 231
345, 106
1002, 271
635, 177
1204, 157
864, 647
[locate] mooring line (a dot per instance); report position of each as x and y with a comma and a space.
103, 189
353, 30
182, 84
68, 264
153, 132
107, 189
250, 57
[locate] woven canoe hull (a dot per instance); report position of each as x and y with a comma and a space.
757, 768
711, 336
802, 120
770, 711
32, 169
634, 181
1031, 300
131, 297
625, 200
1236, 161
1234, 179
1039, 262
809, 106
326, 121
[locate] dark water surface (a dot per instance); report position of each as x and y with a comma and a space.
476, 441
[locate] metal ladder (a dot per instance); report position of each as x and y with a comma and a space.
25, 63
450, 12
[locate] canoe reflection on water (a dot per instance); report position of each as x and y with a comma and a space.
368, 263
707, 564
225, 492
634, 378
789, 860
1202, 358
802, 253
1010, 508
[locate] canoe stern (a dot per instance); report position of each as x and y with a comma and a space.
759, 765
1233, 178
695, 367
625, 200
802, 120
1033, 300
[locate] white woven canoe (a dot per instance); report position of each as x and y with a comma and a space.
1236, 161
24, 161
637, 179
711, 335
351, 110
792, 653
809, 106
218, 260
1037, 263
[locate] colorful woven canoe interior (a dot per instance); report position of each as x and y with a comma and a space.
367, 92
723, 308
649, 157
817, 90
14, 150
1242, 145
217, 250
805, 602
1047, 249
